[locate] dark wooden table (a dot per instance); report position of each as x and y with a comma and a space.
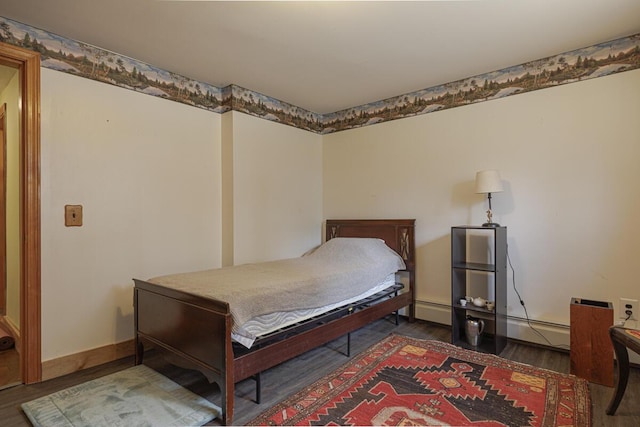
622, 340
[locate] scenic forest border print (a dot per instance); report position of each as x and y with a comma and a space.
69, 56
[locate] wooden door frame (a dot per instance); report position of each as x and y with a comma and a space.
3, 209
28, 64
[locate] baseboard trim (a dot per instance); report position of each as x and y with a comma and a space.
535, 332
433, 312
557, 336
78, 361
548, 334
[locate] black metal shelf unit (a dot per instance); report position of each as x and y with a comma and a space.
477, 250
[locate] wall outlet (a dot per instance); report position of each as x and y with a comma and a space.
627, 305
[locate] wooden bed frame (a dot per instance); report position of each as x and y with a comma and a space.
195, 332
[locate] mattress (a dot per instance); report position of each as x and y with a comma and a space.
339, 270
247, 333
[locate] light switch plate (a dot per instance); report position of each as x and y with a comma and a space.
73, 215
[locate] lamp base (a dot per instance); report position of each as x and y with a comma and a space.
491, 224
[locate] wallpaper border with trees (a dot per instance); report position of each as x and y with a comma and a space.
74, 57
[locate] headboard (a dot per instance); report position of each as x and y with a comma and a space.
398, 234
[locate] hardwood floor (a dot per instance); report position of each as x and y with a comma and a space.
289, 377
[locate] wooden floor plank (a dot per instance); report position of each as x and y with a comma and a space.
289, 377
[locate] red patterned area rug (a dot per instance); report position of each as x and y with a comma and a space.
404, 381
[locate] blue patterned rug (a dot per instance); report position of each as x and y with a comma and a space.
137, 396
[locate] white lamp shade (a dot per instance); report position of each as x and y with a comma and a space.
488, 182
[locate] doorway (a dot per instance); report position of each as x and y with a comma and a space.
10, 372
3, 207
28, 344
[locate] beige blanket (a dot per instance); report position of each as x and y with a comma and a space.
338, 269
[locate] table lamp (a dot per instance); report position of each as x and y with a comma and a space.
489, 182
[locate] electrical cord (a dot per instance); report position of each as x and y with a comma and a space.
526, 313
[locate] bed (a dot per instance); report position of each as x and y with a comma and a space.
197, 331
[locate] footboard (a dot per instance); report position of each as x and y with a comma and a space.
258, 360
196, 330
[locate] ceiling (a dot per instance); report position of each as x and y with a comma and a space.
329, 56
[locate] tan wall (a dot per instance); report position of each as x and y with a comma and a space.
10, 96
147, 172
568, 158
161, 183
156, 184
277, 190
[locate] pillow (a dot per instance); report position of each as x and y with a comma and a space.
360, 248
